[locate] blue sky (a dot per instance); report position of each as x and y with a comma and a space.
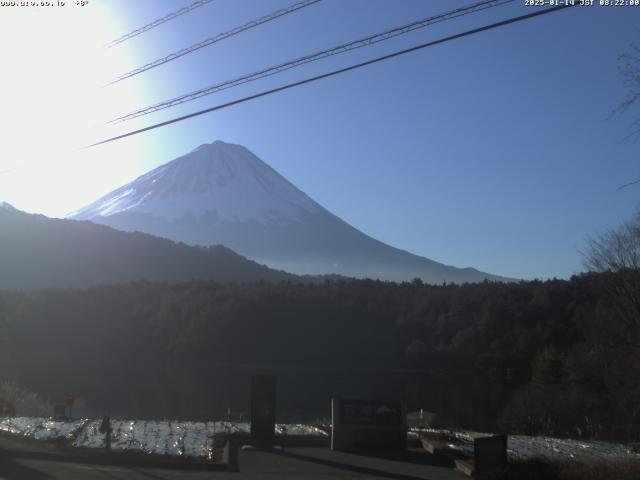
495, 151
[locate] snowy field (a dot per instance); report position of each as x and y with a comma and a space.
185, 439
520, 447
195, 439
40, 428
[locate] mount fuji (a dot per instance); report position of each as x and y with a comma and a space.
221, 193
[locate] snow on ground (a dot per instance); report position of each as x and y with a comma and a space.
189, 439
40, 428
195, 439
521, 447
174, 438
299, 429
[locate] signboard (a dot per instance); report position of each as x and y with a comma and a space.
361, 425
263, 410
490, 454
6, 408
370, 413
74, 406
59, 411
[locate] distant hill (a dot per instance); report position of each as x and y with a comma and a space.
222, 193
37, 252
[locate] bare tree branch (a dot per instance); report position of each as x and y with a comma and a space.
615, 250
629, 69
628, 184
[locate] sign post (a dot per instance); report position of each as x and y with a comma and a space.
361, 425
105, 427
490, 455
263, 410
59, 412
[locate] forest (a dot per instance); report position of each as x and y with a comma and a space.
556, 357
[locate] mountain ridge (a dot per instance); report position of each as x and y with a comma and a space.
221, 193
41, 252
198, 179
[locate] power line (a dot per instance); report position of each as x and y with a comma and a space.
363, 42
215, 39
310, 58
336, 72
159, 21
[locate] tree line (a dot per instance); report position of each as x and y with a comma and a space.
556, 357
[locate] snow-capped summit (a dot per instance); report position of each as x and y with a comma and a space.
7, 206
222, 193
220, 179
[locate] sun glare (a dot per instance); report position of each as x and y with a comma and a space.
53, 104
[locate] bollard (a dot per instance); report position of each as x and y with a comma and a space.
105, 427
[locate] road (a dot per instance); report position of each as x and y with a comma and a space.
20, 460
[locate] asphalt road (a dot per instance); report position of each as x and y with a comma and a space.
25, 460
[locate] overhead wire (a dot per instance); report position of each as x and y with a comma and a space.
355, 44
215, 39
484, 28
157, 22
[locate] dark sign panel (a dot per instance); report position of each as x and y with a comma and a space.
6, 408
490, 454
370, 413
59, 411
263, 409
368, 425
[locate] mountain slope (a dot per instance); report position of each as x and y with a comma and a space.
37, 252
6, 206
222, 193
